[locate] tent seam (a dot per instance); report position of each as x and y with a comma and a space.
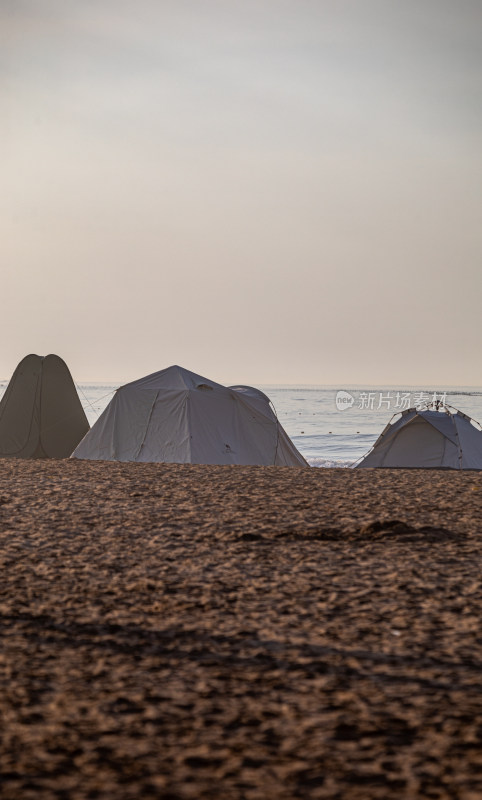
147, 426
452, 417
188, 402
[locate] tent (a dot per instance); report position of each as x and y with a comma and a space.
177, 416
431, 438
40, 413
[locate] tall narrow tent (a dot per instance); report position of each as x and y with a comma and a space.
41, 415
428, 438
177, 416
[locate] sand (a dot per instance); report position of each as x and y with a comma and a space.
175, 631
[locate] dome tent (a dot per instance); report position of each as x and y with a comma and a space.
177, 416
429, 438
41, 415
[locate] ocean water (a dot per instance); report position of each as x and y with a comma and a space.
328, 433
324, 434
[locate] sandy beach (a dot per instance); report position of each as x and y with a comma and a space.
175, 631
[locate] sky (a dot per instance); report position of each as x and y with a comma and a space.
266, 191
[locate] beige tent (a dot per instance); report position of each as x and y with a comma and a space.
177, 416
40, 413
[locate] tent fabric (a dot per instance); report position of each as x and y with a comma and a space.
40, 413
177, 416
430, 439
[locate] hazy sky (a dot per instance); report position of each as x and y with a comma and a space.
261, 191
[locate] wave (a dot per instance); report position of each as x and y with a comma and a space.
338, 463
464, 394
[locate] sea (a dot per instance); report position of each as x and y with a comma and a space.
332, 426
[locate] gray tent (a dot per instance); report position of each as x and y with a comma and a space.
40, 413
177, 416
428, 438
